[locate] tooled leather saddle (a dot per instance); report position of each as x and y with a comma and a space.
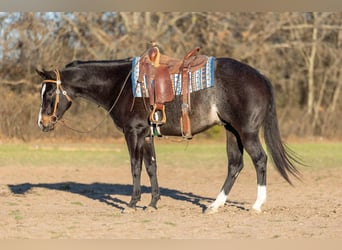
156, 68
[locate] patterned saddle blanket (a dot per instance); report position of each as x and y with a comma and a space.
199, 79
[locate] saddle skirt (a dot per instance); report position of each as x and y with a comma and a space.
200, 79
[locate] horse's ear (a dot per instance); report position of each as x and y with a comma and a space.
43, 73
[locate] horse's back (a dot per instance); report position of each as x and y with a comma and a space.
233, 71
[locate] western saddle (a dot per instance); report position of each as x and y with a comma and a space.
156, 68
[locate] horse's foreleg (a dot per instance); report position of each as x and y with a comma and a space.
235, 165
259, 158
136, 175
151, 168
135, 149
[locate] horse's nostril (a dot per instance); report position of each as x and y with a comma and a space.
41, 125
54, 119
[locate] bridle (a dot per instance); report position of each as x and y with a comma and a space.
59, 90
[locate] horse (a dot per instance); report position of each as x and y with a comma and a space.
242, 100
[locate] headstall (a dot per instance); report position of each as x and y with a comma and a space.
59, 90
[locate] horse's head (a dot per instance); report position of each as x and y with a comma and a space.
54, 100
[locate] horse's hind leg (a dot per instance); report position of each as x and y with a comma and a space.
151, 168
235, 165
253, 146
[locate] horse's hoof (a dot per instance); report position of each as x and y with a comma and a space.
150, 209
257, 209
128, 210
210, 210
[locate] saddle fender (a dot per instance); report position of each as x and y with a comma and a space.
163, 85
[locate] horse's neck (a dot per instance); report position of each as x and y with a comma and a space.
99, 89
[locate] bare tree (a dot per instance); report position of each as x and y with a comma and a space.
300, 53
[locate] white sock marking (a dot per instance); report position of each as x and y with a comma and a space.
219, 202
261, 198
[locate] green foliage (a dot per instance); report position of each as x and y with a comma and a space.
215, 132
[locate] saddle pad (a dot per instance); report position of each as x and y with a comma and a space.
199, 79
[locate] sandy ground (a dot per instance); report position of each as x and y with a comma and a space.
69, 203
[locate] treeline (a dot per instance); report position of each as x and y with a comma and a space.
300, 53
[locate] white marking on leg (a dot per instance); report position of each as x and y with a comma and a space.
261, 198
219, 202
41, 104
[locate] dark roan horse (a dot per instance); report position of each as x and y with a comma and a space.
242, 100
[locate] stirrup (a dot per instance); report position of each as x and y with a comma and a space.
154, 119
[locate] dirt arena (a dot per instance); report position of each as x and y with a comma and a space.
85, 203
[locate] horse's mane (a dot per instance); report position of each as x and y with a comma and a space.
79, 62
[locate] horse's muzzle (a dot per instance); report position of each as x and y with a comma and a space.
47, 123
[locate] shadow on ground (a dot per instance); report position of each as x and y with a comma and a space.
105, 193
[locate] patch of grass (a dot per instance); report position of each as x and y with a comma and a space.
116, 215
186, 154
16, 214
11, 203
319, 155
191, 155
57, 235
77, 203
78, 155
170, 223
146, 221
314, 155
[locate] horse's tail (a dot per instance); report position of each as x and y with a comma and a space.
282, 157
